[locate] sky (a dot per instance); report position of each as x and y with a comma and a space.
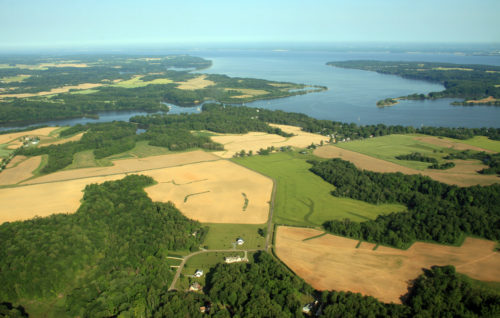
52, 23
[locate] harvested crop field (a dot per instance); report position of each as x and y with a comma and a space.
26, 202
209, 191
129, 166
57, 90
257, 140
213, 192
5, 138
65, 140
195, 83
333, 262
22, 171
463, 174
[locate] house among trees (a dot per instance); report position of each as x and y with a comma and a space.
198, 273
235, 259
240, 241
195, 286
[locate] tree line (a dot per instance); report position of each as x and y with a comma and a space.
435, 211
107, 259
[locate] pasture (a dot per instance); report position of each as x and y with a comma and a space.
303, 198
463, 174
334, 262
254, 141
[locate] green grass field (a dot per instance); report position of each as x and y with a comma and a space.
205, 262
4, 152
482, 142
141, 150
303, 198
83, 159
222, 236
388, 147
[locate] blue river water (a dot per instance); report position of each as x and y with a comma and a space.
351, 94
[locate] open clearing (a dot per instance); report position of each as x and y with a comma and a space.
224, 236
13, 79
57, 90
195, 83
136, 81
5, 138
212, 192
450, 143
196, 182
62, 141
129, 166
463, 174
303, 198
247, 92
20, 172
333, 262
257, 140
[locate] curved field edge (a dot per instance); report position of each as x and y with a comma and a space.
303, 198
334, 262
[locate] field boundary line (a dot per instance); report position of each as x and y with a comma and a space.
115, 173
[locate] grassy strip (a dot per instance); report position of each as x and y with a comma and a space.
314, 237
192, 194
303, 198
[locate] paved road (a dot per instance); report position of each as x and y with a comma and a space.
187, 257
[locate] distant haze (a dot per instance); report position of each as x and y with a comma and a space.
58, 23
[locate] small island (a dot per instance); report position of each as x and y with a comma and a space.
387, 102
475, 84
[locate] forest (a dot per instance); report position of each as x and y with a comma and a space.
121, 83
436, 212
469, 82
106, 259
174, 133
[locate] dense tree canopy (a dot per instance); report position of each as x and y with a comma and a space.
436, 211
108, 258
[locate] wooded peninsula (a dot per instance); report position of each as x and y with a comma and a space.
476, 84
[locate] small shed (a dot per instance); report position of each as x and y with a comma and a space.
240, 241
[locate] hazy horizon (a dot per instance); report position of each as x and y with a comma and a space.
29, 24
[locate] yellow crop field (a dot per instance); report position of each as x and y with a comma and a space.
257, 140
134, 165
333, 262
57, 90
26, 202
214, 192
195, 83
6, 138
20, 172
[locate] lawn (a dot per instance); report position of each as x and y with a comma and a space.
222, 236
388, 147
205, 262
303, 198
